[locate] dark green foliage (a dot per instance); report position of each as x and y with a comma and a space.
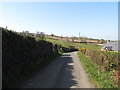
22, 52
41, 35
107, 60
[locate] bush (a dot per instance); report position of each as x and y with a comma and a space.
106, 61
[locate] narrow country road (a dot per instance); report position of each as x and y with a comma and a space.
65, 72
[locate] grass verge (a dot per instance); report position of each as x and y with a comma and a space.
98, 78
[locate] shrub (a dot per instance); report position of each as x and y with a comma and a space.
106, 61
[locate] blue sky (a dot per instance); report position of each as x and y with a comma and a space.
90, 19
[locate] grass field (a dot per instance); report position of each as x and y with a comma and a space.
78, 45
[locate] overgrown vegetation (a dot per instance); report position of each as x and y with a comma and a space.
21, 55
102, 67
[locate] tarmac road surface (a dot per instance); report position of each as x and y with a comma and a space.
64, 72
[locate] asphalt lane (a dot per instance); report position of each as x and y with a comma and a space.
64, 72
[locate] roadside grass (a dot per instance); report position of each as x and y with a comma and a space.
100, 80
78, 45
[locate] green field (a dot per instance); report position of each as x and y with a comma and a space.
78, 45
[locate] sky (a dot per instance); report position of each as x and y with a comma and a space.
98, 20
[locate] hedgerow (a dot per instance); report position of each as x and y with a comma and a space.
105, 61
22, 52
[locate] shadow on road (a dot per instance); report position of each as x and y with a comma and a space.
65, 78
58, 74
65, 55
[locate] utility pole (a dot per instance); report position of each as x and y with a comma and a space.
79, 37
61, 36
108, 40
67, 38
